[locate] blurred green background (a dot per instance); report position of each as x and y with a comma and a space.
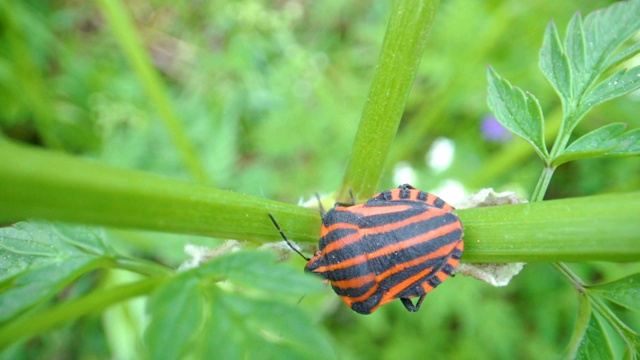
269, 94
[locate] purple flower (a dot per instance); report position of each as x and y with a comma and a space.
493, 131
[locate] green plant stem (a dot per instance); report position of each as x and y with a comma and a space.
37, 183
30, 325
543, 184
577, 229
560, 143
127, 36
402, 49
142, 267
578, 284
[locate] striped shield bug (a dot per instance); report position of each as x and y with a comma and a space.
400, 244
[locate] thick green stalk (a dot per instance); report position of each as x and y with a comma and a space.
36, 183
603, 227
402, 49
127, 36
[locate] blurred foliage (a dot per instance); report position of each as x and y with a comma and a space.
270, 94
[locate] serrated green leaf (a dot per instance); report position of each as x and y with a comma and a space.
204, 312
589, 50
628, 144
517, 111
37, 262
621, 83
176, 309
595, 343
259, 270
554, 63
624, 292
33, 239
623, 55
36, 285
631, 353
593, 144
580, 327
609, 140
90, 239
27, 244
634, 348
576, 53
223, 337
606, 30
262, 329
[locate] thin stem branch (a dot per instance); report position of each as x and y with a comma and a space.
574, 279
127, 36
33, 324
543, 184
143, 267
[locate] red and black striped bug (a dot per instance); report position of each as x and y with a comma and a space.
400, 244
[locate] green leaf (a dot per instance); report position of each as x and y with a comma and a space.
606, 30
554, 63
628, 144
580, 327
609, 140
243, 327
517, 111
217, 311
39, 260
35, 286
576, 52
621, 83
624, 292
260, 271
589, 50
623, 55
632, 353
594, 343
176, 309
91, 240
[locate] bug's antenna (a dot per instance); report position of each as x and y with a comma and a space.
285, 238
320, 207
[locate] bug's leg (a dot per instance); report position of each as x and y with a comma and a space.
285, 238
419, 303
353, 200
409, 305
